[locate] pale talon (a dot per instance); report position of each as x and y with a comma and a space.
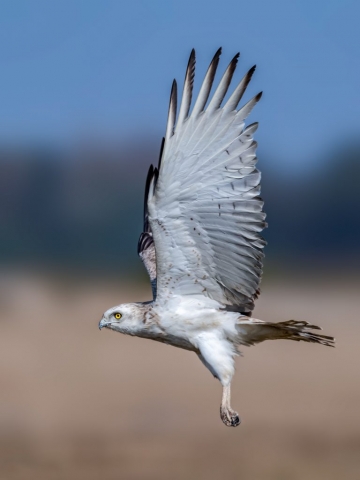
227, 414
229, 417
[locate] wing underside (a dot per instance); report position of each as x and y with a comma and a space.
203, 212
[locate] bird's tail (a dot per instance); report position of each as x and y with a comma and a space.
252, 331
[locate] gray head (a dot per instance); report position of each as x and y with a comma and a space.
125, 318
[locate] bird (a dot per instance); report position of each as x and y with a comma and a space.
201, 242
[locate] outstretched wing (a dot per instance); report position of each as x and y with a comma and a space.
205, 212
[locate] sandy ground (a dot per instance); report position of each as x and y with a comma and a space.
77, 403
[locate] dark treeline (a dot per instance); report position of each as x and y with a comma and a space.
316, 215
82, 208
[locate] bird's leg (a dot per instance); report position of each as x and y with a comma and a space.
217, 355
227, 414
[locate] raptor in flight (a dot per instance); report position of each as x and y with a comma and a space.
201, 243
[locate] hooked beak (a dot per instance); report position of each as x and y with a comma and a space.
103, 323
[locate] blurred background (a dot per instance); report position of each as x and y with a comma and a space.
83, 106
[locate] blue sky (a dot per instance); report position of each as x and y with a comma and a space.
73, 68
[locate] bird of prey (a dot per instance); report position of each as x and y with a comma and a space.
201, 242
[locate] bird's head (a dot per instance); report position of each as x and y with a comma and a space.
123, 318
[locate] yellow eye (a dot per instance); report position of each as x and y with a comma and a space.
117, 315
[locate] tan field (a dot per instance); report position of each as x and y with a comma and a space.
79, 404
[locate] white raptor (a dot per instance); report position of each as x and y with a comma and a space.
201, 243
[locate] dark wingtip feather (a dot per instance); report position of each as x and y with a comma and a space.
218, 53
156, 177
231, 67
233, 63
207, 84
172, 110
258, 96
250, 73
173, 93
147, 187
161, 152
190, 70
188, 88
214, 64
224, 84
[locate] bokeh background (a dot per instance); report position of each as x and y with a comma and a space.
83, 105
